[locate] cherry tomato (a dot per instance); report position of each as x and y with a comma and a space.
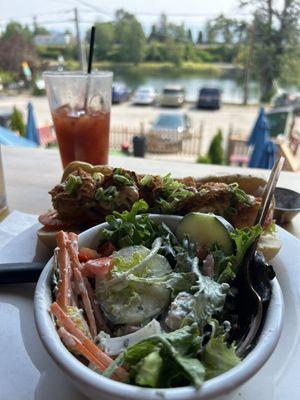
106, 249
86, 254
98, 267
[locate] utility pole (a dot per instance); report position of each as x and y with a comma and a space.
35, 24
248, 65
78, 39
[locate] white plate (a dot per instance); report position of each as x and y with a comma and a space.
27, 372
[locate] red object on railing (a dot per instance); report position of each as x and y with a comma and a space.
47, 135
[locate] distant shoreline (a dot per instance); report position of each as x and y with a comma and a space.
206, 69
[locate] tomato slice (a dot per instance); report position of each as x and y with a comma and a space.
86, 254
51, 219
106, 249
98, 267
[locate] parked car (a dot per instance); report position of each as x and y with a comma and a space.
168, 131
145, 95
120, 93
172, 96
285, 99
5, 118
209, 98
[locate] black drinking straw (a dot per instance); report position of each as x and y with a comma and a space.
90, 64
91, 52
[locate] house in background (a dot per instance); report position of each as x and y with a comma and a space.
53, 39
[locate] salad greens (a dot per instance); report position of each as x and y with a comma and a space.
218, 356
226, 267
126, 230
169, 305
165, 360
140, 285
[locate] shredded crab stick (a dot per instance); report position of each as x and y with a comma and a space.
72, 247
100, 322
120, 374
82, 290
72, 342
64, 293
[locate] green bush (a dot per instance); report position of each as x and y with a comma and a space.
203, 159
6, 78
16, 122
215, 151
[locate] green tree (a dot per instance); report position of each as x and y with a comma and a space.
16, 122
190, 36
189, 52
276, 36
130, 36
13, 51
210, 33
104, 40
40, 30
215, 151
174, 52
155, 51
14, 28
153, 33
162, 28
200, 37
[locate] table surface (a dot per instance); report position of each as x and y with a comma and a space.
31, 173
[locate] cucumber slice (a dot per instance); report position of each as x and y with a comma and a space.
207, 229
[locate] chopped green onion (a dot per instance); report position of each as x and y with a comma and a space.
72, 184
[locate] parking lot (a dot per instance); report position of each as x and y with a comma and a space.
230, 117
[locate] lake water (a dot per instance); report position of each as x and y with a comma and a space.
232, 89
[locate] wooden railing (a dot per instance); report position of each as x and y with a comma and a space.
161, 142
238, 150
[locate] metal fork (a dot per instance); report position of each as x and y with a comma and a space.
247, 282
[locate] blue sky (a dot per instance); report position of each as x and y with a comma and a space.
56, 14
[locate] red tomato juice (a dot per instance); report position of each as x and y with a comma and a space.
82, 135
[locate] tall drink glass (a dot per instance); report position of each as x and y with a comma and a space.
3, 203
80, 107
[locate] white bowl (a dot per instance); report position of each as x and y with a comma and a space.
98, 387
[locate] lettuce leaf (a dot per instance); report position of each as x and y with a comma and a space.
208, 299
226, 267
218, 357
243, 239
149, 369
140, 286
173, 354
128, 228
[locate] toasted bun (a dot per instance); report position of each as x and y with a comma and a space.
269, 244
74, 165
250, 184
47, 237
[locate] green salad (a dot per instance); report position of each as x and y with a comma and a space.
150, 306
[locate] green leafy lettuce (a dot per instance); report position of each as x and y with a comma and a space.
128, 229
218, 356
207, 300
226, 267
165, 360
140, 286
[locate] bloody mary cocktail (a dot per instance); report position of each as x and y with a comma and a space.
82, 135
80, 107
